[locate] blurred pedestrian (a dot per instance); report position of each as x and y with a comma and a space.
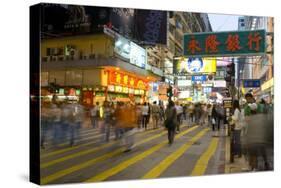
258, 141
209, 109
46, 123
197, 112
171, 121
191, 113
238, 119
179, 111
77, 117
129, 124
95, 115
107, 119
55, 115
145, 111
155, 111
214, 117
204, 114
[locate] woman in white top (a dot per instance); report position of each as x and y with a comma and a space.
237, 118
145, 110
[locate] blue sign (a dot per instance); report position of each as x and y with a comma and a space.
199, 78
251, 83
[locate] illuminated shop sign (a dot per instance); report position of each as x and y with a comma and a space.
224, 43
125, 90
118, 78
118, 89
199, 78
219, 83
111, 88
134, 53
138, 55
184, 83
207, 90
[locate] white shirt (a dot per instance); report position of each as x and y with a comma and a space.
237, 117
144, 110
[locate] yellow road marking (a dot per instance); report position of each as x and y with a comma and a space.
202, 163
164, 164
80, 166
125, 164
76, 147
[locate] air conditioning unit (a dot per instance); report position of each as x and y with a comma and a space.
61, 58
45, 59
55, 58
92, 56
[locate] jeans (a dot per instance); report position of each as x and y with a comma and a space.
237, 142
144, 121
107, 127
94, 122
58, 134
74, 132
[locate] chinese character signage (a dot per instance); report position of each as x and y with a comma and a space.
194, 65
251, 83
121, 79
224, 43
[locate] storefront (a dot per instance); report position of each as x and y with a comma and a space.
267, 90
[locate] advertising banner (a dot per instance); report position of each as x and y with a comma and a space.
194, 65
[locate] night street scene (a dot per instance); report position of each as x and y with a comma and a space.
130, 94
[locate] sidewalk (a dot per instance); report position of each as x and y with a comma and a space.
239, 164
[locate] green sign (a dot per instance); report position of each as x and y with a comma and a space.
225, 43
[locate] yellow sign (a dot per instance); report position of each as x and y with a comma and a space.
267, 84
189, 99
195, 65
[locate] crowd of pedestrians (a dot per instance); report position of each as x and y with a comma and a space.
251, 123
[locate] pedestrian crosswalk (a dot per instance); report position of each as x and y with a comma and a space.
95, 160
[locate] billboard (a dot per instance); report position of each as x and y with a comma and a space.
138, 55
194, 65
151, 26
130, 51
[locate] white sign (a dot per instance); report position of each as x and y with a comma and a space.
219, 83
157, 71
207, 85
138, 55
184, 94
122, 47
184, 83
